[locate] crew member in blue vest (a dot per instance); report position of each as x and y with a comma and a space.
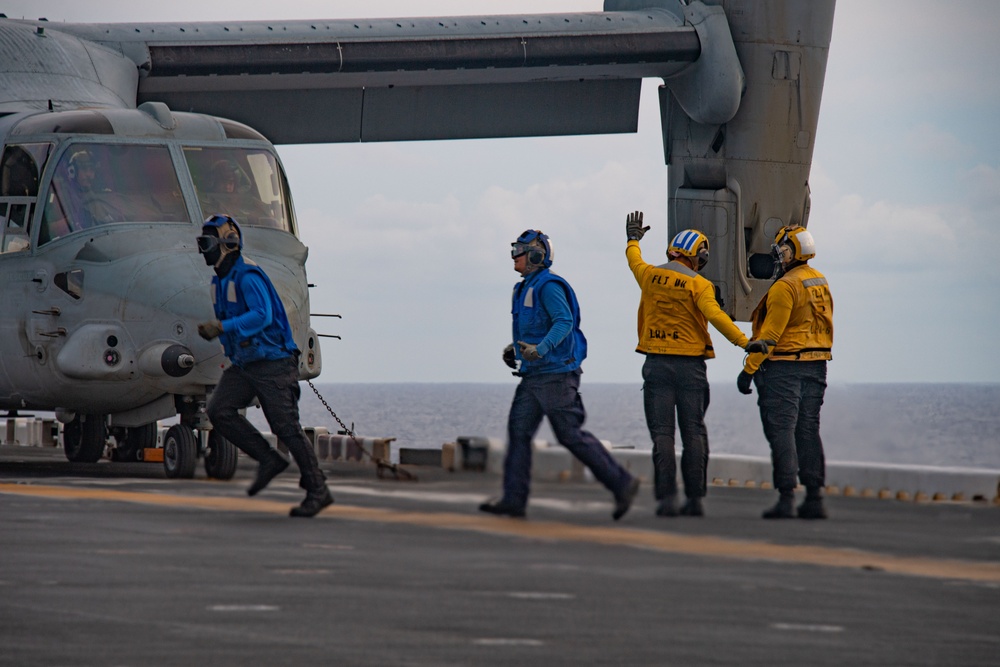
546, 350
253, 328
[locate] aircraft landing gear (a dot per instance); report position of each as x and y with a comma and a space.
130, 442
85, 438
220, 457
180, 452
181, 449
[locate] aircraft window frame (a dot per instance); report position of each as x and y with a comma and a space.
77, 121
134, 182
246, 182
16, 212
21, 169
70, 282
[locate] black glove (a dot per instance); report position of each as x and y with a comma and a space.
210, 330
743, 381
529, 352
633, 226
509, 358
762, 345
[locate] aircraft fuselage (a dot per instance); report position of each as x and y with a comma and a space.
103, 284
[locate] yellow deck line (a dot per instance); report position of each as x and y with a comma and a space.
556, 531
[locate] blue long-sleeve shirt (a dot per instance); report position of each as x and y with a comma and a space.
554, 301
258, 302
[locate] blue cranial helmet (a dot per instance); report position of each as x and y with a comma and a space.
536, 245
227, 230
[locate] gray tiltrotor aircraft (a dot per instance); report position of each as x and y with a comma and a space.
103, 182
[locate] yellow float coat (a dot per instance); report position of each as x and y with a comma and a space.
675, 307
797, 312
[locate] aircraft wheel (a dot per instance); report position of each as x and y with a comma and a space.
132, 442
221, 456
84, 438
180, 452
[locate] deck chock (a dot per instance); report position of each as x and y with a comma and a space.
152, 455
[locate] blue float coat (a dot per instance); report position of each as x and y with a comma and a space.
254, 323
546, 313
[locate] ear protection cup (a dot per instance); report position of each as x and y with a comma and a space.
232, 241
702, 257
535, 256
227, 229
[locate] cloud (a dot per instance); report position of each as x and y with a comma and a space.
984, 183
927, 53
929, 141
883, 236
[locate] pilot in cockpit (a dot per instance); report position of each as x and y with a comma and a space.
98, 204
225, 177
82, 171
230, 189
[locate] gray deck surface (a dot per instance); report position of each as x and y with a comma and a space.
112, 564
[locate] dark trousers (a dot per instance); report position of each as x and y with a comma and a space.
275, 383
556, 396
790, 395
676, 384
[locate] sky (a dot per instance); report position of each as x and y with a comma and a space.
410, 241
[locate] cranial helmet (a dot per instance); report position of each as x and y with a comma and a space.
227, 233
80, 160
799, 240
225, 170
536, 245
226, 228
692, 244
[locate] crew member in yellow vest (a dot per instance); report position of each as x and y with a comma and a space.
797, 312
676, 305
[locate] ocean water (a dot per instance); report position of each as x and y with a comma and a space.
954, 425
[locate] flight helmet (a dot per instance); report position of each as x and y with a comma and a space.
220, 232
80, 159
799, 241
536, 245
692, 244
225, 171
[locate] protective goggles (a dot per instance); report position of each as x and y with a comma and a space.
524, 241
518, 249
207, 243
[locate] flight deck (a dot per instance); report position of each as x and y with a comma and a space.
112, 564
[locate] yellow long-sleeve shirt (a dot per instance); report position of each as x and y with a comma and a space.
674, 309
797, 312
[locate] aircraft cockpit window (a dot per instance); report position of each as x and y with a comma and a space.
20, 170
244, 183
97, 184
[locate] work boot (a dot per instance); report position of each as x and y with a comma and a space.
503, 507
667, 506
624, 501
269, 468
693, 508
783, 509
314, 503
812, 506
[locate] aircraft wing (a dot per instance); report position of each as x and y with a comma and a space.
739, 108
415, 78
